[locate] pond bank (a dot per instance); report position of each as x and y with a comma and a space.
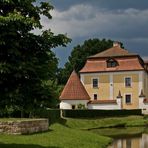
127, 126
88, 124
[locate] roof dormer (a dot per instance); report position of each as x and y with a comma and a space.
111, 63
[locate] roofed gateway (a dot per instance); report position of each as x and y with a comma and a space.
112, 79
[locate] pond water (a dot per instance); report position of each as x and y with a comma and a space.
131, 142
133, 137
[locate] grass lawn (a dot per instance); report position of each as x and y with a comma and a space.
74, 133
128, 121
58, 136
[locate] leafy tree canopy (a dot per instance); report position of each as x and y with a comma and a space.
79, 56
26, 59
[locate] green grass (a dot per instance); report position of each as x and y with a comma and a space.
76, 133
107, 122
59, 136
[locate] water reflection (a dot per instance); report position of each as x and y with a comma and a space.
131, 142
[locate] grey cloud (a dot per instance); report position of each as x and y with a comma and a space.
83, 20
108, 4
125, 21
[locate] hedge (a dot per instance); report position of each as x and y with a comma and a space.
52, 114
99, 113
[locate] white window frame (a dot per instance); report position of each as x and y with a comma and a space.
125, 98
125, 81
92, 82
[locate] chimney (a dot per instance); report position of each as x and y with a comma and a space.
116, 44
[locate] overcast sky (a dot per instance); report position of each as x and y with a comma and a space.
120, 20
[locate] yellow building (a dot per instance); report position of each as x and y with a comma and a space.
115, 79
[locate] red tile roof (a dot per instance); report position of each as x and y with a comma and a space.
126, 61
74, 89
113, 52
124, 64
145, 100
102, 102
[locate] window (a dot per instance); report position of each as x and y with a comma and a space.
128, 82
95, 96
95, 83
73, 106
128, 99
111, 63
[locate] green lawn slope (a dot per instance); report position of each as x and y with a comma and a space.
58, 136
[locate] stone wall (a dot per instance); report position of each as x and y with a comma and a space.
24, 126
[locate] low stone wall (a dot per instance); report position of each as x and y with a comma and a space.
24, 126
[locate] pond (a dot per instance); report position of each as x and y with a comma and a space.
131, 142
134, 137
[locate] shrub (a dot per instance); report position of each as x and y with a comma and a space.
81, 106
99, 113
52, 114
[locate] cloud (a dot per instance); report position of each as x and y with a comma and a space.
145, 58
108, 4
86, 20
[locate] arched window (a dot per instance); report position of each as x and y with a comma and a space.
111, 63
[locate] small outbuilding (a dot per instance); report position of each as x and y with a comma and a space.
74, 94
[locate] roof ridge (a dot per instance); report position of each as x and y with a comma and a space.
113, 52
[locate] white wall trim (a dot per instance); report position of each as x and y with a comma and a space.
140, 81
111, 85
67, 104
82, 79
103, 106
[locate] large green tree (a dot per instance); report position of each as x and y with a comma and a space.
26, 59
79, 56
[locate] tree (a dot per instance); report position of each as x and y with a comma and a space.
26, 59
79, 56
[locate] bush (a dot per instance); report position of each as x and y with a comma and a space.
81, 106
52, 114
146, 117
99, 113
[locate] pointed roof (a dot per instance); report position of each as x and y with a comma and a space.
142, 94
119, 95
115, 51
74, 89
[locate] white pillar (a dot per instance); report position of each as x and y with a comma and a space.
111, 86
141, 99
141, 103
119, 100
119, 103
